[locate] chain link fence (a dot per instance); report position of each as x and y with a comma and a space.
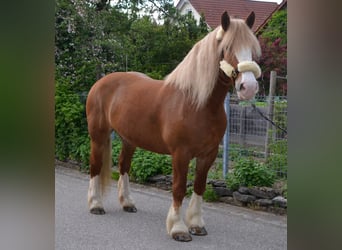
258, 129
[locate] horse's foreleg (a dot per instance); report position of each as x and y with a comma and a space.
125, 159
100, 163
175, 225
194, 218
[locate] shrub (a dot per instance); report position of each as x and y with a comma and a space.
146, 164
248, 172
116, 149
277, 160
70, 123
209, 194
84, 152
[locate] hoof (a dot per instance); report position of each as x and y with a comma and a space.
97, 210
130, 209
198, 231
183, 237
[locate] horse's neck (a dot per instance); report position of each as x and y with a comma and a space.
220, 91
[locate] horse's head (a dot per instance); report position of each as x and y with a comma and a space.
237, 46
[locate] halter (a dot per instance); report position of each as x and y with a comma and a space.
245, 66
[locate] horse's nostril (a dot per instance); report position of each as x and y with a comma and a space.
242, 87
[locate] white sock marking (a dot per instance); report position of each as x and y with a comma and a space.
94, 193
174, 222
124, 191
194, 211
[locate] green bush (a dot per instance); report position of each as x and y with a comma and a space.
248, 172
84, 152
146, 164
209, 194
71, 137
116, 149
277, 160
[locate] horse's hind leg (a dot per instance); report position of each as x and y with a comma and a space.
125, 159
194, 218
100, 164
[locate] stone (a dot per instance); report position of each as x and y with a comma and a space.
189, 183
157, 178
277, 210
227, 199
263, 202
222, 191
218, 183
263, 192
243, 190
245, 198
280, 201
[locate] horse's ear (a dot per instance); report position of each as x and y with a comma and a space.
250, 20
225, 21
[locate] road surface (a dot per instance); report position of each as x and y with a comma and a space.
229, 227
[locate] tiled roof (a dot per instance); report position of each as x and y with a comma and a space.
213, 9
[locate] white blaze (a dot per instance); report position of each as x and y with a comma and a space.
247, 80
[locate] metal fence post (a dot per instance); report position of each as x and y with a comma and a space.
269, 137
225, 164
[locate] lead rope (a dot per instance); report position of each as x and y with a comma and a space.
268, 119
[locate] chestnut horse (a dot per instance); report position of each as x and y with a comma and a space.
182, 115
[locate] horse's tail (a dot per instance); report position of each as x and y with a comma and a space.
106, 170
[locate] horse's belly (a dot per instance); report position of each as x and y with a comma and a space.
140, 129
147, 140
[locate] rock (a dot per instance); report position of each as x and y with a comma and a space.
277, 210
218, 183
280, 201
263, 202
222, 191
168, 179
227, 199
243, 190
189, 183
263, 192
245, 198
157, 178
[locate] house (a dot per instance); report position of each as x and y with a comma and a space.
213, 9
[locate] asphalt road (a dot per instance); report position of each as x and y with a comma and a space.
229, 227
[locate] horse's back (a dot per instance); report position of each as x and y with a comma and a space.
116, 85
128, 103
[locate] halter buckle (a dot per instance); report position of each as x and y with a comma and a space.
235, 74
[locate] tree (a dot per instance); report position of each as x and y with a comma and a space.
273, 42
274, 57
277, 27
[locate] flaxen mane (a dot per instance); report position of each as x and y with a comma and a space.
196, 75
